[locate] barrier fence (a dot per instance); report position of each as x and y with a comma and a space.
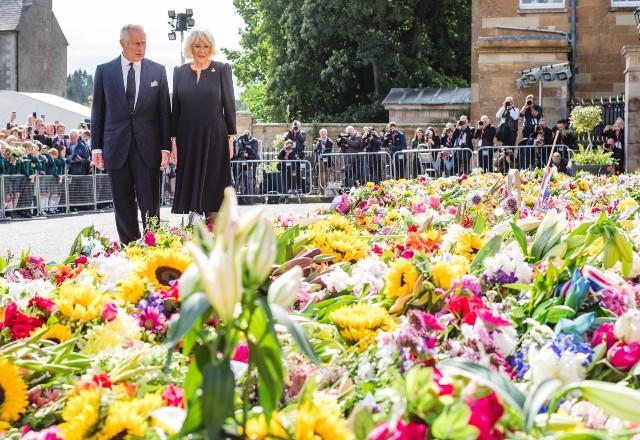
275, 180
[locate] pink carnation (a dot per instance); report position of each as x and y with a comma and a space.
624, 356
604, 333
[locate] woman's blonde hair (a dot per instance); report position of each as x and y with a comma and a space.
199, 35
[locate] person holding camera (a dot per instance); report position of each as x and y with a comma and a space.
40, 134
244, 171
508, 115
372, 144
462, 140
395, 142
444, 159
531, 112
485, 133
298, 137
289, 167
323, 146
565, 139
615, 132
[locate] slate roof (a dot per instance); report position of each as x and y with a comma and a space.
10, 13
458, 95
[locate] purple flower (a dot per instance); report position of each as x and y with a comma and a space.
470, 283
152, 319
499, 277
615, 302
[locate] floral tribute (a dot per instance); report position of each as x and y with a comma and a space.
424, 309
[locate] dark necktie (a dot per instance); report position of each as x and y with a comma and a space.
131, 87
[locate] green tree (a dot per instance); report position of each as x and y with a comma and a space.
80, 87
337, 59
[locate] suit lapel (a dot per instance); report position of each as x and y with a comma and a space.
144, 84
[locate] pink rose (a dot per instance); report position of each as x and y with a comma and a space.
110, 311
624, 356
149, 239
82, 259
434, 202
604, 333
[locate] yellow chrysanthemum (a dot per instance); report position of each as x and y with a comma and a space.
321, 420
444, 271
401, 278
468, 244
360, 323
337, 236
81, 415
131, 290
162, 266
257, 428
583, 185
13, 393
57, 333
392, 217
80, 302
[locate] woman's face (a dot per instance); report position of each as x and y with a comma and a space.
201, 52
420, 133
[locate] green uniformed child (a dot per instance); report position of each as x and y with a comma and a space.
57, 188
13, 171
47, 183
31, 166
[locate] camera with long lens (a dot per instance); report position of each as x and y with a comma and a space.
342, 141
529, 102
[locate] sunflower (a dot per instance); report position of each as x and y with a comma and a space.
57, 333
360, 323
162, 266
257, 428
81, 414
127, 419
401, 278
321, 419
13, 393
80, 302
131, 290
444, 271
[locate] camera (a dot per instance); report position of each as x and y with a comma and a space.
507, 103
480, 123
460, 123
529, 102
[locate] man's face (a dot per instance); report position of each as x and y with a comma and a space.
51, 130
556, 158
60, 130
323, 134
560, 127
135, 46
40, 126
288, 147
543, 123
73, 138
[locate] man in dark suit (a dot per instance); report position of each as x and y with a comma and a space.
78, 155
130, 121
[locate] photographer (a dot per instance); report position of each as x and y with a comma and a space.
565, 139
321, 146
485, 134
298, 137
12, 121
289, 167
543, 128
244, 171
531, 112
40, 134
462, 138
372, 144
505, 161
616, 133
508, 115
394, 142
60, 140
350, 144
444, 159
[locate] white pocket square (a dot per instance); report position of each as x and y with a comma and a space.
154, 83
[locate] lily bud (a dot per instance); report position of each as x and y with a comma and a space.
228, 218
284, 289
221, 277
190, 281
261, 252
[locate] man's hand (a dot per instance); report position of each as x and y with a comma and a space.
165, 160
98, 160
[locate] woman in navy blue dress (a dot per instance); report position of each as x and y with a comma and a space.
203, 125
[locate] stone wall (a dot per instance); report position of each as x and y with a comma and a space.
8, 71
601, 33
42, 51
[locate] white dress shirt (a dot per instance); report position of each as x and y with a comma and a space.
125, 72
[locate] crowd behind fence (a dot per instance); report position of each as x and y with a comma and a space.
275, 181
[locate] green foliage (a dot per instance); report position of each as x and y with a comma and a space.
585, 118
591, 156
336, 60
80, 87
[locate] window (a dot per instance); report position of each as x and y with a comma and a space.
625, 3
542, 4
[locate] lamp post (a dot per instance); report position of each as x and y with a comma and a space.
180, 22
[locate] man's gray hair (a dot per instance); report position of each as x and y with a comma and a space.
73, 131
124, 32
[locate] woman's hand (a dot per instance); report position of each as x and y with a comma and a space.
230, 140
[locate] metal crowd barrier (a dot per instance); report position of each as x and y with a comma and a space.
432, 162
501, 159
350, 169
272, 178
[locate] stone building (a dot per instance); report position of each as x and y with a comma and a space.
424, 106
33, 48
509, 36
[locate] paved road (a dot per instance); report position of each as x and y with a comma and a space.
52, 237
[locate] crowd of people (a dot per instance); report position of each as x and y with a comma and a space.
49, 149
44, 149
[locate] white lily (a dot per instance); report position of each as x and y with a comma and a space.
261, 251
284, 289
